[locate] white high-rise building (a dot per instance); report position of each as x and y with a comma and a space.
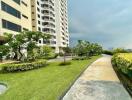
50, 16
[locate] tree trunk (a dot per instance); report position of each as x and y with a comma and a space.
64, 57
21, 55
0, 58
15, 56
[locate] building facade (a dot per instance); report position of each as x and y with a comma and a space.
46, 16
15, 16
50, 16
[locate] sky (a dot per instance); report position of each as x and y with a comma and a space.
107, 22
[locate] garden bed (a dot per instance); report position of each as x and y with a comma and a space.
18, 67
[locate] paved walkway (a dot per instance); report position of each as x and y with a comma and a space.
98, 82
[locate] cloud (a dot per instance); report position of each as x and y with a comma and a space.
108, 22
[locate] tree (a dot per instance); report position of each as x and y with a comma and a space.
82, 48
119, 50
15, 42
95, 49
46, 37
45, 51
32, 39
4, 50
85, 48
66, 50
27, 40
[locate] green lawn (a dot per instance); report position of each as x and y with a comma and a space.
46, 83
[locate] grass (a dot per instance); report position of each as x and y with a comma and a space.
47, 83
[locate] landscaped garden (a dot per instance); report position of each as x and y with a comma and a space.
30, 76
47, 83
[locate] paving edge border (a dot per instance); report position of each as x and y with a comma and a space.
64, 93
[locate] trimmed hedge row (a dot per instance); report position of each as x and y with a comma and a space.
23, 66
124, 63
80, 58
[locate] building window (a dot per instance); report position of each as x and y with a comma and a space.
17, 1
25, 29
39, 29
37, 2
38, 9
53, 42
38, 22
24, 3
25, 16
11, 26
38, 16
10, 10
40, 41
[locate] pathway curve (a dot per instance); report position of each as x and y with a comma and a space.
98, 82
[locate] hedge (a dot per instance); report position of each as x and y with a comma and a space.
123, 62
23, 66
81, 58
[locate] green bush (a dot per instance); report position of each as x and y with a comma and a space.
119, 50
65, 63
80, 58
108, 52
23, 66
123, 62
61, 54
51, 57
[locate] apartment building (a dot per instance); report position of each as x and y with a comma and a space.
50, 16
15, 16
46, 16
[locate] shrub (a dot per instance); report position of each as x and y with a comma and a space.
108, 52
23, 66
80, 58
51, 57
119, 50
123, 62
65, 63
46, 51
61, 54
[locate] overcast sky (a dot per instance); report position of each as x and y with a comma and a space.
108, 22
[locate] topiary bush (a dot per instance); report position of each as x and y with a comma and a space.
23, 66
